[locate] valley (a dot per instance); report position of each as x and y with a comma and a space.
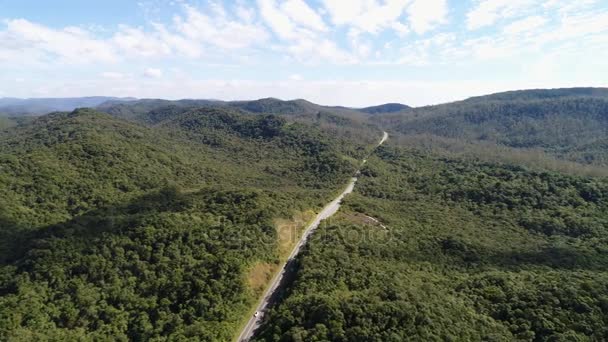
279, 282
304, 171
478, 220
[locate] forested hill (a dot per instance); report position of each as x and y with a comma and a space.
540, 94
131, 108
111, 229
163, 220
435, 248
343, 124
136, 109
292, 107
566, 123
385, 108
40, 106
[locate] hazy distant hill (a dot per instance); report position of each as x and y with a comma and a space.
131, 108
385, 108
40, 106
135, 109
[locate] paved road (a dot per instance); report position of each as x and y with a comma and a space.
328, 211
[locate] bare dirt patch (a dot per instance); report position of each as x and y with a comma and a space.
358, 218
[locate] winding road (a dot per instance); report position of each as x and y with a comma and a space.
278, 280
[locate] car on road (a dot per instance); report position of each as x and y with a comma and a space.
256, 314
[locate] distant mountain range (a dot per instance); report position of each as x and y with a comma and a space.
40, 106
130, 106
385, 108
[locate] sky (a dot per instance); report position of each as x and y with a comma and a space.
333, 52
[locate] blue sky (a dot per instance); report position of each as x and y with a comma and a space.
340, 52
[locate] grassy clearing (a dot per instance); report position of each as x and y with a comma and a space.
289, 232
259, 276
261, 273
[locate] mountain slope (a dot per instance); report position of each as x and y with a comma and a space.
435, 248
560, 122
152, 111
111, 229
134, 109
385, 108
350, 127
40, 106
6, 122
543, 94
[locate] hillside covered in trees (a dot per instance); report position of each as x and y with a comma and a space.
482, 220
112, 229
564, 123
457, 251
344, 124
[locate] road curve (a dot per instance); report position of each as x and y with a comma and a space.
329, 210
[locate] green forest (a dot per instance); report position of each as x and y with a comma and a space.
112, 229
462, 251
479, 220
569, 124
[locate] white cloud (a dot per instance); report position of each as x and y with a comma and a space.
311, 51
525, 25
300, 33
302, 14
359, 47
422, 52
153, 73
219, 29
344, 12
364, 15
111, 75
69, 45
245, 14
296, 77
35, 44
532, 38
178, 43
137, 42
490, 48
401, 29
424, 15
276, 19
237, 37
487, 12
581, 25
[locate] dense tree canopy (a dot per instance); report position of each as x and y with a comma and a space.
485, 220
115, 230
567, 123
461, 251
